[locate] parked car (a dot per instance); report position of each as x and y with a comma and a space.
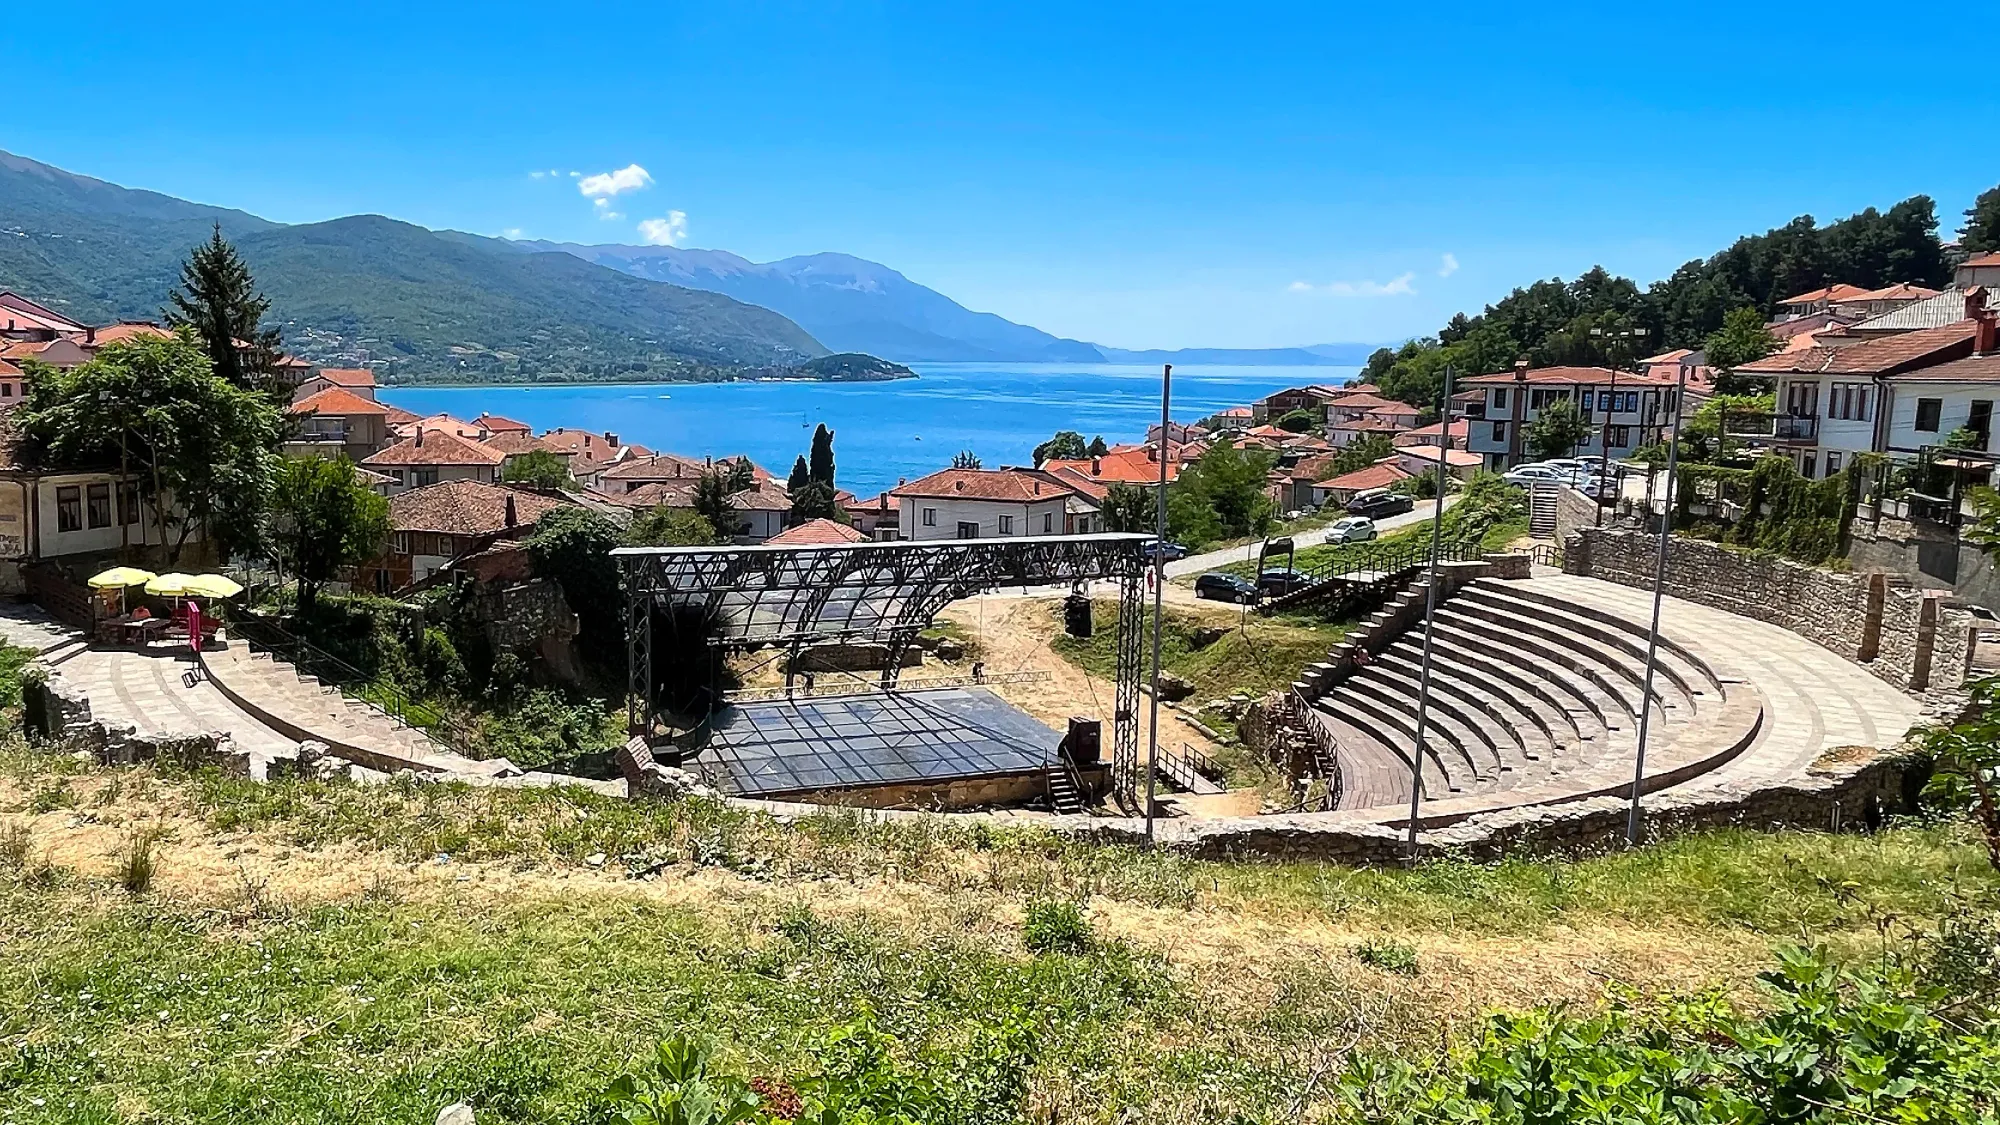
1217, 586
1528, 476
1378, 502
1165, 551
1281, 580
1351, 529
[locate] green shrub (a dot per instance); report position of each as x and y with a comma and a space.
1388, 956
677, 1086
1055, 926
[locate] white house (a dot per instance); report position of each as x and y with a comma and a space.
435, 457
1626, 411
990, 504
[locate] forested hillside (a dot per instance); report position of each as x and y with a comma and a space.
1551, 322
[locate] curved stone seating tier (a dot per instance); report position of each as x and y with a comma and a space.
1534, 698
304, 708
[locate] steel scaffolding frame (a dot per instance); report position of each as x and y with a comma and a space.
747, 597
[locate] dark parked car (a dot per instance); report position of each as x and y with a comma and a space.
1281, 580
1165, 551
1221, 587
1379, 502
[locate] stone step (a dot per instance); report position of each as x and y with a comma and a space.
1511, 747
1685, 678
1470, 761
1615, 699
1391, 731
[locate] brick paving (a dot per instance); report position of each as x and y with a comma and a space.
27, 625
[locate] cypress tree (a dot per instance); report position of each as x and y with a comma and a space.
218, 300
800, 477
822, 456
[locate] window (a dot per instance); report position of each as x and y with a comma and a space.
1499, 431
1006, 525
399, 543
1848, 402
930, 517
1809, 465
1587, 396
1619, 436
1048, 523
1927, 415
968, 530
1500, 398
98, 505
421, 477
69, 508
1832, 463
128, 502
6, 390
1630, 403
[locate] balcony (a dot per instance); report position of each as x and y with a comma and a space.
1790, 427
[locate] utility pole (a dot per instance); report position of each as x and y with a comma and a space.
1632, 825
1430, 616
1159, 593
1616, 343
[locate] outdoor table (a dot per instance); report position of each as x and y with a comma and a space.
142, 631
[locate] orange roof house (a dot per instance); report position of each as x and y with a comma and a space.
1131, 466
817, 533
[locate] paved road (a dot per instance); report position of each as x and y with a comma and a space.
1197, 564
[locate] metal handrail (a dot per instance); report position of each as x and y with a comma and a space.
1326, 747
378, 693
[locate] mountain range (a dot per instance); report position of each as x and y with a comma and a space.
852, 304
424, 305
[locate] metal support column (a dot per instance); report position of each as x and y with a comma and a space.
1125, 700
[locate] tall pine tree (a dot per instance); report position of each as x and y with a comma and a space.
219, 301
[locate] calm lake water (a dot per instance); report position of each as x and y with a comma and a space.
882, 431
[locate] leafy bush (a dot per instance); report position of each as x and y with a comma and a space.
1880, 1044
1388, 956
677, 1087
1055, 926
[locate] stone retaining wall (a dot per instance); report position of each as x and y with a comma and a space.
1907, 637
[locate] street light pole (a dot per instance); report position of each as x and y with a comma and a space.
1632, 824
1616, 341
1159, 592
1430, 617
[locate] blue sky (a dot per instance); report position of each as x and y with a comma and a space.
1144, 176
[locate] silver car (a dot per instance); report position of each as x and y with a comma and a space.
1351, 529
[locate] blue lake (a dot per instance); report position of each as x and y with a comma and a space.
882, 431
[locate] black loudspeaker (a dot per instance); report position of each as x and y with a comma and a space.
1085, 741
1076, 616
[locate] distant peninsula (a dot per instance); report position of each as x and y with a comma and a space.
841, 367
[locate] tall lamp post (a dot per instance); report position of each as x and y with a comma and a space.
1633, 825
1616, 341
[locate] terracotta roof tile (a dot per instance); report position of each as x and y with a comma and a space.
336, 401
1971, 369
1884, 356
1837, 292
1013, 485
815, 533
465, 507
1568, 376
436, 447
1990, 258
499, 425
1132, 466
1381, 474
347, 376
128, 330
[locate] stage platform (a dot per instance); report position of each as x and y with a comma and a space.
919, 743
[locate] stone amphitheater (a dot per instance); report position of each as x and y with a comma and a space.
1781, 695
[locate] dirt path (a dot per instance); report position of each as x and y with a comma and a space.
1014, 634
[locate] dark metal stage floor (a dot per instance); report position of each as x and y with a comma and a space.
791, 746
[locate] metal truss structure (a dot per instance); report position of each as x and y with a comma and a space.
746, 597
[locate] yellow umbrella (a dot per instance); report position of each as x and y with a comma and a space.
211, 586
171, 585
119, 577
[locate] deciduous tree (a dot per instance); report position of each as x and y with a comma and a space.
1557, 430
671, 527
201, 447
1067, 445
538, 468
1741, 339
322, 518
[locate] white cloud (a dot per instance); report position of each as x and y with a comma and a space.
604, 185
1402, 285
610, 216
1448, 265
511, 232
665, 232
